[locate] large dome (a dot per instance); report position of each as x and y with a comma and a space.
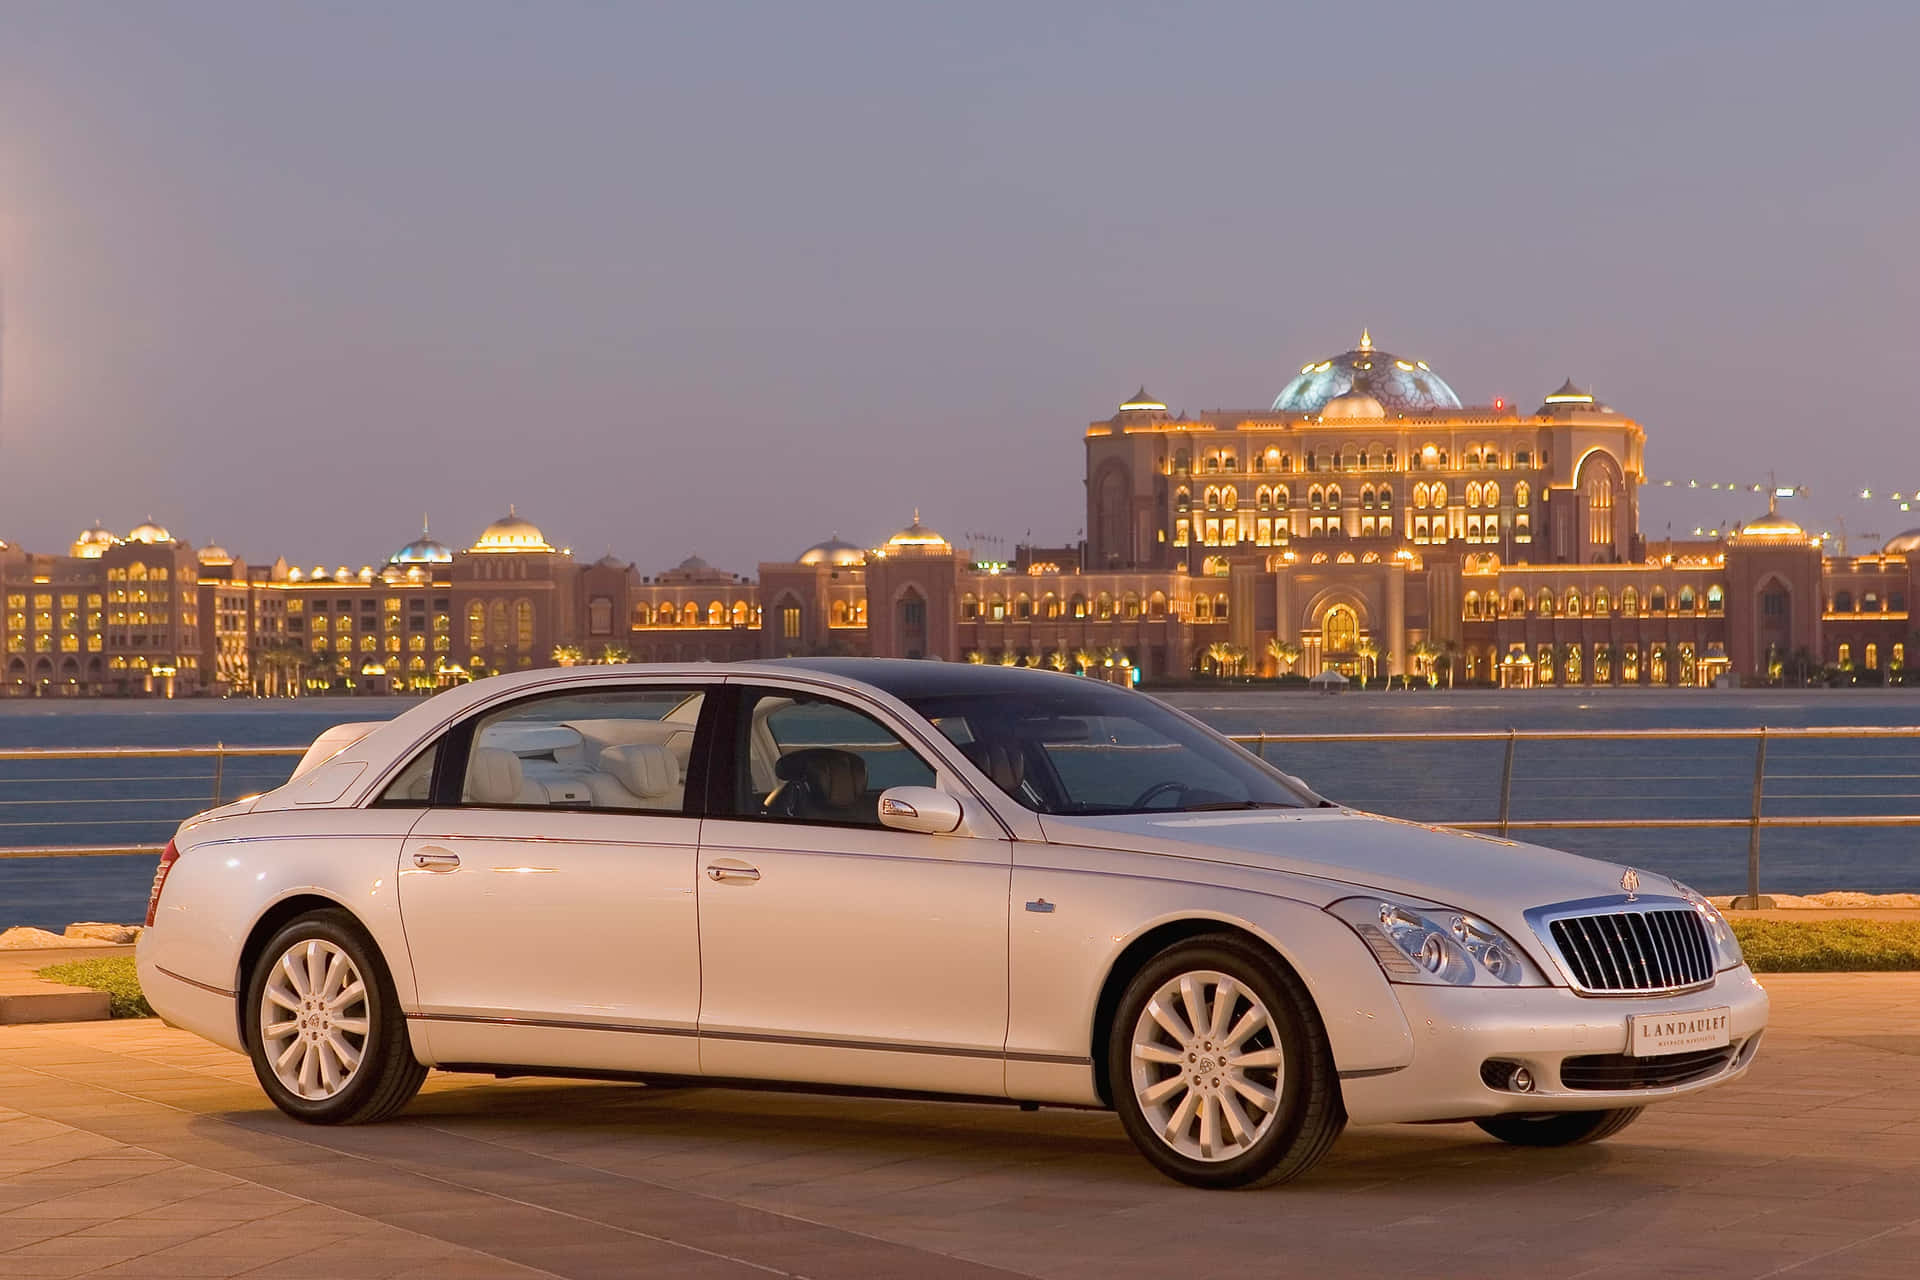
917, 539
94, 542
1901, 544
834, 552
150, 533
1401, 386
512, 532
424, 549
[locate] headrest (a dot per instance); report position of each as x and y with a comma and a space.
647, 769
837, 778
1007, 768
493, 776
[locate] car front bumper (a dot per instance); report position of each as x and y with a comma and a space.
1458, 1030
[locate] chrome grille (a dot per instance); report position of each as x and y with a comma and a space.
1627, 952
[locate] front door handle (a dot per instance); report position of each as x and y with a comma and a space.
730, 870
431, 859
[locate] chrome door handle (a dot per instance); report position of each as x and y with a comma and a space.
718, 871
436, 860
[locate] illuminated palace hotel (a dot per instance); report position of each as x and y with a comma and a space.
1367, 520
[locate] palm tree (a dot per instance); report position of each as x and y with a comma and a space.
1369, 650
1083, 660
1008, 658
1219, 653
1284, 653
1423, 655
567, 655
1031, 660
976, 657
1450, 654
1059, 660
614, 655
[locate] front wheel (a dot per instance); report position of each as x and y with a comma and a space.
1220, 1069
324, 1027
1558, 1128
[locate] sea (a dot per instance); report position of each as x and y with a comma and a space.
1428, 779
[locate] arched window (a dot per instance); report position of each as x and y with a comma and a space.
1657, 601
1340, 630
1333, 496
1490, 494
1687, 599
1517, 603
1202, 609
642, 616
716, 614
1213, 498
1229, 496
1602, 605
1438, 494
1220, 607
690, 614
1630, 603
1870, 602
497, 624
1716, 599
1473, 493
1573, 602
1472, 609
1023, 606
741, 613
1873, 657
1129, 605
1521, 494
523, 624
1420, 496
1473, 457
1183, 497
1281, 497
1544, 605
1078, 606
997, 609
1262, 497
1600, 509
838, 617
969, 606
1157, 605
1316, 496
1843, 602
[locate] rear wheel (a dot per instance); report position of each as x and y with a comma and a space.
1220, 1069
325, 1031
1558, 1128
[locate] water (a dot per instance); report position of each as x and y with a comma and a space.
76, 802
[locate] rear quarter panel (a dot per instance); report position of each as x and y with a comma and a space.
233, 870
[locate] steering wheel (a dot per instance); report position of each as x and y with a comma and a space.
1170, 785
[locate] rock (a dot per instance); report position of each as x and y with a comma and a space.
104, 932
24, 938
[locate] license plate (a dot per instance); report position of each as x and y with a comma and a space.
1651, 1034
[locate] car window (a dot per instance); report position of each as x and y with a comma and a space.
413, 789
807, 759
1091, 748
616, 749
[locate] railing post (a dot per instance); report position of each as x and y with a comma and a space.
1753, 900
219, 770
1506, 782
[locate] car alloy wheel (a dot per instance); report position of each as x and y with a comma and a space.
1207, 1069
314, 1019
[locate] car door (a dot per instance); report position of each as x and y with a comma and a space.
548, 895
834, 949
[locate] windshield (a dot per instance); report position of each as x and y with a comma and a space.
1101, 750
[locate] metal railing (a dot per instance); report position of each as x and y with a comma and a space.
1754, 820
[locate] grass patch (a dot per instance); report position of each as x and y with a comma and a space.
111, 974
1829, 946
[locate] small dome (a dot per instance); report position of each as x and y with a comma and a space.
917, 539
1772, 529
1569, 398
512, 533
1141, 402
693, 564
425, 549
834, 552
1355, 405
1400, 386
215, 554
93, 542
1901, 544
149, 533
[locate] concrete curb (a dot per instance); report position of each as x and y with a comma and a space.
26, 998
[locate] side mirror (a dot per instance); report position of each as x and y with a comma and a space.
925, 809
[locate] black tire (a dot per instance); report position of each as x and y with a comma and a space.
1309, 1113
1558, 1128
388, 1075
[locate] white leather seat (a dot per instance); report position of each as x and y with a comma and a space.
494, 776
637, 775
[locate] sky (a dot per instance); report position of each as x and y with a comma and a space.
726, 278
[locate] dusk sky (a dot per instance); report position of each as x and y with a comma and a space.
725, 278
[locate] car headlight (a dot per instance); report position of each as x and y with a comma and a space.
1425, 943
1726, 947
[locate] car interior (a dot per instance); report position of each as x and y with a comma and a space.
587, 762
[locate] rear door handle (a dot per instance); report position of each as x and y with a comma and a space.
731, 870
436, 860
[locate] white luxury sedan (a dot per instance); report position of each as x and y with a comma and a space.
979, 882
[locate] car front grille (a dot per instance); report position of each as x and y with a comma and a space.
1634, 952
1603, 1071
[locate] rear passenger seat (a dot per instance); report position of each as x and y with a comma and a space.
637, 775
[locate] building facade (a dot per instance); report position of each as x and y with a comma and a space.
1367, 522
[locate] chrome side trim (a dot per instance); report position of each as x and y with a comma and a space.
1370, 1073
812, 1042
204, 986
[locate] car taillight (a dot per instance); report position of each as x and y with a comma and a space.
168, 856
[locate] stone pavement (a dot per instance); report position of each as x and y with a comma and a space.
130, 1150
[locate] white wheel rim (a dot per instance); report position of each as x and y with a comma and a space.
314, 1019
1207, 1066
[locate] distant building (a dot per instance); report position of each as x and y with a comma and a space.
1367, 520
